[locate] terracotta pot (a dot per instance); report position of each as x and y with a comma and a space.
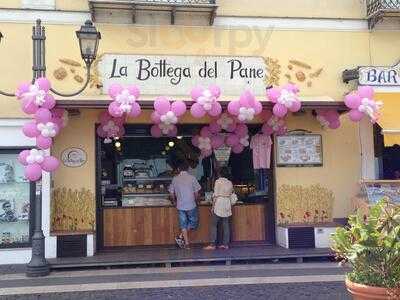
365, 292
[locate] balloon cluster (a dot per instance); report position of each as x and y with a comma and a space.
362, 103
285, 99
207, 140
35, 161
246, 108
165, 116
110, 127
238, 139
328, 118
206, 101
225, 122
124, 101
36, 100
35, 96
273, 124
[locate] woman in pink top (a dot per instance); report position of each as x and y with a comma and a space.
223, 199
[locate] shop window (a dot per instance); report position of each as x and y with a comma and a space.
16, 194
39, 4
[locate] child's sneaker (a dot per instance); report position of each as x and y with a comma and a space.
180, 241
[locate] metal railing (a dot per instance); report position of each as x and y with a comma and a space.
375, 7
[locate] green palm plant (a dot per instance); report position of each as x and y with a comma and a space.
371, 246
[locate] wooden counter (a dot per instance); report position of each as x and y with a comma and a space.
138, 226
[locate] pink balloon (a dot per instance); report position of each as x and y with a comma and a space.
279, 110
214, 127
258, 107
155, 117
33, 172
296, 106
59, 122
241, 130
136, 110
266, 129
231, 127
43, 142
134, 90
217, 141
273, 94
232, 140
352, 101
50, 164
58, 112
282, 130
246, 99
43, 115
30, 129
43, 83
196, 92
216, 109
291, 88
114, 90
215, 90
28, 106
238, 148
162, 105
115, 110
197, 110
104, 117
119, 121
22, 89
233, 107
205, 132
355, 115
266, 115
50, 102
155, 131
173, 132
22, 157
195, 140
332, 115
334, 124
366, 92
100, 132
179, 108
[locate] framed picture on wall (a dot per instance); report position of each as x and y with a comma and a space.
299, 150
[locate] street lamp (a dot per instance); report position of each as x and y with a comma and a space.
89, 38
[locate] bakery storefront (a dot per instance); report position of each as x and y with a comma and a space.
111, 191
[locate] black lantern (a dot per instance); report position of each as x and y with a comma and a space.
88, 42
1, 36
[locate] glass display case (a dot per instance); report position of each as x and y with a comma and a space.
144, 183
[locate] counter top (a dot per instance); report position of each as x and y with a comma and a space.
163, 206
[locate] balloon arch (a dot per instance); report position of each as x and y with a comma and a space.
226, 127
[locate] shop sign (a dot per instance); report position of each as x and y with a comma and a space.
380, 76
177, 75
73, 157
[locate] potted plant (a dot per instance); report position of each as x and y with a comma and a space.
371, 245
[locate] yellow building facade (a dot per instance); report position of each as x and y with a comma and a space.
309, 44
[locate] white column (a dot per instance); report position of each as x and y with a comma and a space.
368, 163
50, 241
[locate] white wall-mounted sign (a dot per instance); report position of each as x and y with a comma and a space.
177, 75
380, 76
73, 157
39, 4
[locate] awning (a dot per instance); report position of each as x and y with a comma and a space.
390, 119
146, 101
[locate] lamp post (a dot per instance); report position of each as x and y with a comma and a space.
88, 37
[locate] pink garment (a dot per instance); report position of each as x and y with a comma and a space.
261, 145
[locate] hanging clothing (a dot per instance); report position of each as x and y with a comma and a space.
261, 145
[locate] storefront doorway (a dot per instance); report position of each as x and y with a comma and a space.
133, 175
